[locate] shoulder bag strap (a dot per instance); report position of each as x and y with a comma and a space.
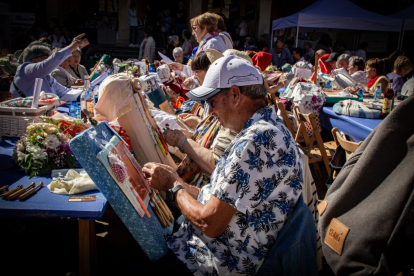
19, 91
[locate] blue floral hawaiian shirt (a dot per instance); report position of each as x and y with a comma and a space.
261, 176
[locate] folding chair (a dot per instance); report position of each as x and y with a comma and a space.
285, 116
349, 146
315, 152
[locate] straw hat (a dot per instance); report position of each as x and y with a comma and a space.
213, 55
238, 53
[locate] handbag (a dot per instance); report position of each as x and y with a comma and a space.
337, 162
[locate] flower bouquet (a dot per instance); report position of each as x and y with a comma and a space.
43, 148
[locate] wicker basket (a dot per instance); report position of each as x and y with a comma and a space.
14, 120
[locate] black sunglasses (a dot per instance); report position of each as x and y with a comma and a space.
209, 99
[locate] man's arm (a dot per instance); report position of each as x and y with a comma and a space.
212, 218
41, 69
199, 154
60, 90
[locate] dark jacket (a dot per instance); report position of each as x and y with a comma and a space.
373, 196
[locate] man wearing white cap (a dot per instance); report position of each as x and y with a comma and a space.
231, 223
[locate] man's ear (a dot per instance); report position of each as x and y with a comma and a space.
235, 95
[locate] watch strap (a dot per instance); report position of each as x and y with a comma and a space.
174, 191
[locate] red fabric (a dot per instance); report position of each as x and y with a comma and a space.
262, 59
372, 81
324, 66
173, 87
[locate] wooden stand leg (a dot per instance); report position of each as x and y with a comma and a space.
87, 247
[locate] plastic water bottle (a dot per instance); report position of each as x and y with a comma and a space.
360, 94
377, 93
74, 110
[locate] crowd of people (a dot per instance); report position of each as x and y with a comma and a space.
253, 166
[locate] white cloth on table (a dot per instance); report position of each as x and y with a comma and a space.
73, 183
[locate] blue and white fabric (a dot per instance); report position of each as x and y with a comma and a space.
261, 176
356, 109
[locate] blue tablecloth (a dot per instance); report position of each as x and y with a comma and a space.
357, 128
43, 204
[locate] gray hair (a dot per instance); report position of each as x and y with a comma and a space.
321, 52
343, 56
357, 61
254, 92
178, 50
34, 51
173, 39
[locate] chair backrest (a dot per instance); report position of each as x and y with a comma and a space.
316, 136
349, 146
285, 117
302, 119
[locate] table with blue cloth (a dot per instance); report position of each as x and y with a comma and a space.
357, 128
45, 204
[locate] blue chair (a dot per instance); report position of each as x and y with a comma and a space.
294, 252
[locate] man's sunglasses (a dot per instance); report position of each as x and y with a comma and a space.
209, 99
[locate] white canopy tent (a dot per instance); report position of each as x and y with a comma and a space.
337, 14
407, 16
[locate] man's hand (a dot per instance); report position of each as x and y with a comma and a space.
77, 42
190, 119
160, 176
175, 66
174, 137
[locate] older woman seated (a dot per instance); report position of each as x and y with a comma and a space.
62, 76
38, 63
356, 68
179, 57
342, 61
75, 68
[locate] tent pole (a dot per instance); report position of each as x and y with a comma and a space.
297, 36
400, 45
271, 39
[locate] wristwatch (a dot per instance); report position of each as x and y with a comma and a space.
171, 193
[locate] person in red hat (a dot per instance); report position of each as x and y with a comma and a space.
262, 59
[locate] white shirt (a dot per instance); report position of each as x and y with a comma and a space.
243, 28
215, 43
57, 43
227, 39
132, 18
360, 77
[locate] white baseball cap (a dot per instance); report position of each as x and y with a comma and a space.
224, 73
